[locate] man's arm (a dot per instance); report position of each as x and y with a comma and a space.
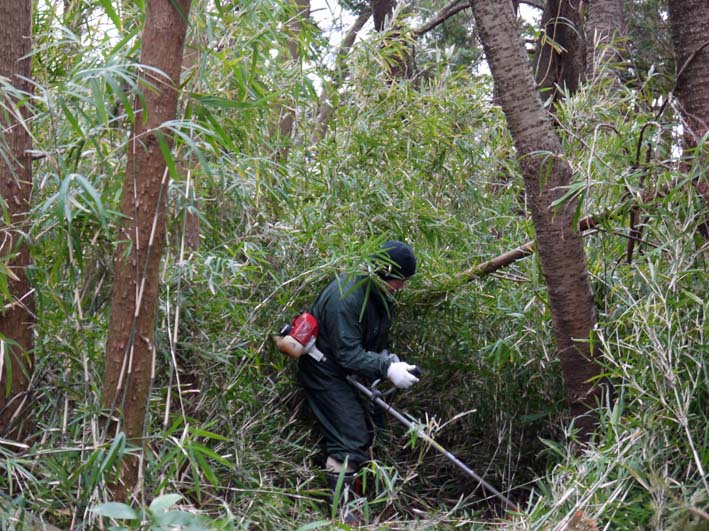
348, 336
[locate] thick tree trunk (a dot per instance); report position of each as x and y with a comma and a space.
689, 21
560, 61
382, 11
16, 313
400, 57
603, 27
545, 174
130, 347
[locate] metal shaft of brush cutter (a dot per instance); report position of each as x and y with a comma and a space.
374, 396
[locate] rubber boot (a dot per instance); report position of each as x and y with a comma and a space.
348, 492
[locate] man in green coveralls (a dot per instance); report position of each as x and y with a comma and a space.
354, 316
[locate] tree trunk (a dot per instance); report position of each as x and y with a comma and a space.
689, 20
400, 59
603, 25
560, 61
16, 313
381, 11
130, 352
545, 174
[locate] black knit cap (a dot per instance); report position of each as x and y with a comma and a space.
403, 261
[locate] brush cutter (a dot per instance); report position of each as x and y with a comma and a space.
377, 397
299, 338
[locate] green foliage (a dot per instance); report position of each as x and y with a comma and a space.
451, 44
649, 41
356, 6
155, 517
228, 442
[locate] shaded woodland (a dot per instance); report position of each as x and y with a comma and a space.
178, 178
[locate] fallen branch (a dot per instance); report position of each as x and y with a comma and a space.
533, 3
438, 292
586, 224
451, 8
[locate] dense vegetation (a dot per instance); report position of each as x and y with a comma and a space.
427, 160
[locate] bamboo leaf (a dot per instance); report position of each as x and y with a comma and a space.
208, 434
98, 102
167, 154
111, 12
204, 467
210, 453
573, 191
69, 115
95, 196
117, 448
163, 502
116, 510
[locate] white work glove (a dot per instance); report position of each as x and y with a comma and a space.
386, 355
398, 373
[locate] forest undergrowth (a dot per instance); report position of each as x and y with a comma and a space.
229, 443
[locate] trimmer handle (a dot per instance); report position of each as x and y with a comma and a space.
416, 371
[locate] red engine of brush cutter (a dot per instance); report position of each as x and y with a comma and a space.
299, 337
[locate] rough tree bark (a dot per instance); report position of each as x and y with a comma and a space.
381, 11
130, 347
604, 24
560, 61
689, 21
545, 175
401, 59
17, 312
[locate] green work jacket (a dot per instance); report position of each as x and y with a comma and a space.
354, 317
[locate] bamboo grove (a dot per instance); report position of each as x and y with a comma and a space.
181, 177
